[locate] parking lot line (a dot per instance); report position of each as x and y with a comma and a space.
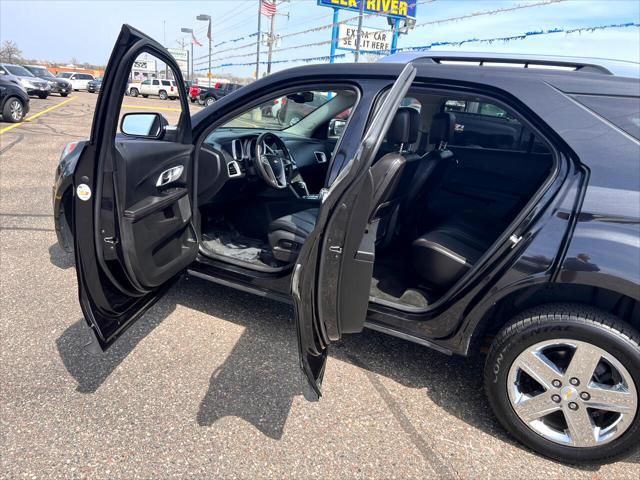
145, 107
36, 115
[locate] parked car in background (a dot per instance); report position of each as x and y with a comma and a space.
209, 96
78, 80
94, 85
194, 92
32, 84
58, 85
14, 100
497, 213
165, 89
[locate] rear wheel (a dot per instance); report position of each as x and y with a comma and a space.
13, 110
564, 380
43, 95
134, 92
209, 101
64, 94
163, 95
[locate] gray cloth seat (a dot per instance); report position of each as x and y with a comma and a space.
287, 234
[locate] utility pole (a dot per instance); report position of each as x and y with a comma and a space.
273, 38
359, 34
259, 40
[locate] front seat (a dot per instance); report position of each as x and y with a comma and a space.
287, 234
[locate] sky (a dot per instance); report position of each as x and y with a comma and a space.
62, 30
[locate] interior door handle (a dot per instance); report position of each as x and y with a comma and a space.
170, 175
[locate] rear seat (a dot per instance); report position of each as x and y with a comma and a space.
445, 253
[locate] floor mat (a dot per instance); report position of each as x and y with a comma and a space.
397, 287
231, 244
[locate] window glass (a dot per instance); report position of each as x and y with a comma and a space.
19, 71
411, 102
166, 83
133, 101
623, 112
64, 75
482, 124
286, 111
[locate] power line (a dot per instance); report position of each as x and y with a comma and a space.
433, 22
455, 43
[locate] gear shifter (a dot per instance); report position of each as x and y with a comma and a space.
300, 188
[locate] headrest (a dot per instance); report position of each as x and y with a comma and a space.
441, 130
404, 127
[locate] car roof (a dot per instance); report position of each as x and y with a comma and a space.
570, 64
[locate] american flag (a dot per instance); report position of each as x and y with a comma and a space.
194, 40
268, 8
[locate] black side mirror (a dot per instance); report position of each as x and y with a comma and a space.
142, 124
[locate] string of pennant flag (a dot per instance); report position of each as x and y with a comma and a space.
319, 28
326, 58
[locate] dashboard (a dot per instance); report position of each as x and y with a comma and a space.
226, 157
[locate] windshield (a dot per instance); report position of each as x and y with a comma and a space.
19, 71
281, 112
40, 71
65, 75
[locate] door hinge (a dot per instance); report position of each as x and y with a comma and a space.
110, 240
515, 240
335, 249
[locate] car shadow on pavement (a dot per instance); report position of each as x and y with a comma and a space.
260, 377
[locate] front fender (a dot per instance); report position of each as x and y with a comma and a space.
62, 191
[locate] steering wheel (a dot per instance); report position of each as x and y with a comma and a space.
271, 162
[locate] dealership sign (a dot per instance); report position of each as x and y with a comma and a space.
182, 59
146, 66
388, 8
371, 39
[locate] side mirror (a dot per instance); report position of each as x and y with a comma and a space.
141, 124
336, 127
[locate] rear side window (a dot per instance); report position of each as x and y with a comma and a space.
623, 112
486, 125
166, 83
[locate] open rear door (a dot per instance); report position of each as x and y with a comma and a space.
332, 276
133, 200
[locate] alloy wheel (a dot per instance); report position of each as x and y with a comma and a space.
572, 392
16, 110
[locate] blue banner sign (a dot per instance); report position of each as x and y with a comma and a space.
387, 8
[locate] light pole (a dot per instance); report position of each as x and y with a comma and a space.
190, 30
207, 18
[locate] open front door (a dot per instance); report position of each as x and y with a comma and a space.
332, 276
133, 200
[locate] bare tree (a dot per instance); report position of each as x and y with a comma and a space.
10, 53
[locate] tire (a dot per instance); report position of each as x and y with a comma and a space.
43, 96
209, 101
163, 95
556, 333
145, 96
64, 94
134, 92
13, 110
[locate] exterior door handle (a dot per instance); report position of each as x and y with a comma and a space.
170, 175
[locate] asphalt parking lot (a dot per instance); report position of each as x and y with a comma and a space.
207, 383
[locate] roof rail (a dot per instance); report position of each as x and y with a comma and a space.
581, 64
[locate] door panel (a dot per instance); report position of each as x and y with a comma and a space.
133, 234
332, 275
